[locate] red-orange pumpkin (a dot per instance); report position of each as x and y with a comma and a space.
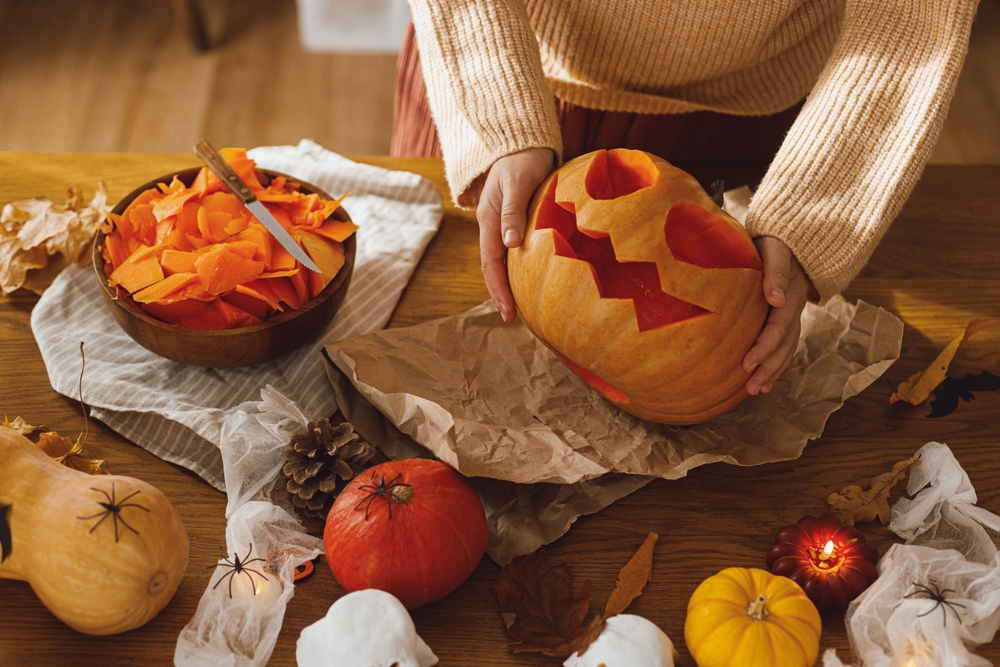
641, 284
412, 527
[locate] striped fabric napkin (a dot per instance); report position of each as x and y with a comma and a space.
176, 411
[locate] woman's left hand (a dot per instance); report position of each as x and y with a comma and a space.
786, 288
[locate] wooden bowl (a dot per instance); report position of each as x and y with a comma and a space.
227, 348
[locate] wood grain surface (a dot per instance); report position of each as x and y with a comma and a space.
936, 269
125, 75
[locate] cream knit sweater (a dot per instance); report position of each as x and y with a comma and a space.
878, 74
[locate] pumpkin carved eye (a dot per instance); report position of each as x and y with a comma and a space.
618, 173
638, 281
698, 237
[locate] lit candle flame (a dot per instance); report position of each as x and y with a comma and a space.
828, 549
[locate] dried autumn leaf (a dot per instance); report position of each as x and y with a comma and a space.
853, 504
979, 350
976, 349
20, 426
632, 578
541, 610
35, 233
68, 453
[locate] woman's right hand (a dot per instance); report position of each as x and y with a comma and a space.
502, 215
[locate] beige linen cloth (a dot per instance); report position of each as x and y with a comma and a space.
177, 411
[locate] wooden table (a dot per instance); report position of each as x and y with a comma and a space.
936, 269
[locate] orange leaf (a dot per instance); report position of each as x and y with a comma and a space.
68, 453
854, 504
632, 578
541, 610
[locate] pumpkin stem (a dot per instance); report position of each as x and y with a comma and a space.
757, 610
402, 493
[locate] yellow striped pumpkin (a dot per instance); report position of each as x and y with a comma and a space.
751, 618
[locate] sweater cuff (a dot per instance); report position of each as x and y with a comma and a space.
858, 146
485, 86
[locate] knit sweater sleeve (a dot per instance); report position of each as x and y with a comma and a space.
864, 135
485, 86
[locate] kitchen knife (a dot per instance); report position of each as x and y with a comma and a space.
221, 168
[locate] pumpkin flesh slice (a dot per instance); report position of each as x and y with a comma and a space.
252, 304
163, 288
139, 271
221, 269
329, 257
638, 281
195, 256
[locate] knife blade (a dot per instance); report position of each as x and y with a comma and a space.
214, 161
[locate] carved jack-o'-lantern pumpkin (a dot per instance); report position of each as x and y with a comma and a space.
641, 284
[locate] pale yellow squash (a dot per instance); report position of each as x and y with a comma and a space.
751, 618
104, 553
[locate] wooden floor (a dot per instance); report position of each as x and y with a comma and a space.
123, 75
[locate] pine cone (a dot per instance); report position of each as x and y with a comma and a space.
321, 460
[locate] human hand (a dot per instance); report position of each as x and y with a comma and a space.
502, 215
786, 288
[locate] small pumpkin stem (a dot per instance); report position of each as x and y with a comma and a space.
757, 610
402, 493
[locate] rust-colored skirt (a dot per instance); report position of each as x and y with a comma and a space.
698, 137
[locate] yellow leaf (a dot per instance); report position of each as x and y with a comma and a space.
975, 350
854, 504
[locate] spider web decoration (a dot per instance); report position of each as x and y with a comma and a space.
938, 595
946, 395
238, 567
113, 508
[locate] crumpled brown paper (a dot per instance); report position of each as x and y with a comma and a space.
493, 402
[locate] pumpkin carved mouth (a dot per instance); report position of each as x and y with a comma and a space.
638, 281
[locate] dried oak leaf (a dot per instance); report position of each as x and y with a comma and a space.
38, 237
975, 349
68, 453
853, 504
632, 578
20, 426
541, 610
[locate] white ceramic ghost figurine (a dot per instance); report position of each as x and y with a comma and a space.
627, 641
368, 628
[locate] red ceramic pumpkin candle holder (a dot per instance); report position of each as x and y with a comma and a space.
831, 562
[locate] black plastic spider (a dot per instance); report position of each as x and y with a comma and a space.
391, 490
238, 567
932, 592
113, 508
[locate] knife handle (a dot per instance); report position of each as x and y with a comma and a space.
221, 168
